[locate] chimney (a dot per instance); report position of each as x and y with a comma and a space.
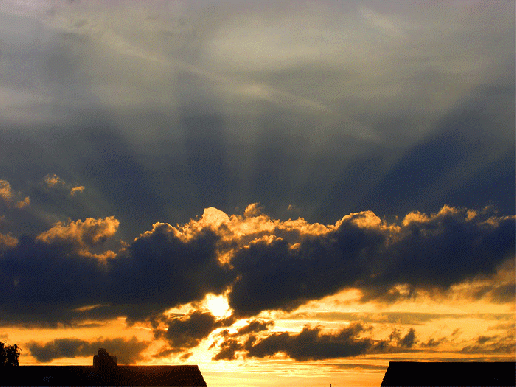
104, 362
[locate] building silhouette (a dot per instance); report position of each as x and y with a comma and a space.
104, 372
411, 373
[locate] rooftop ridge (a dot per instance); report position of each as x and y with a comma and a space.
454, 373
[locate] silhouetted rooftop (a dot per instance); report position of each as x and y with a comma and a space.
409, 373
104, 372
184, 375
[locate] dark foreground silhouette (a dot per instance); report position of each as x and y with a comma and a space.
409, 373
9, 355
104, 372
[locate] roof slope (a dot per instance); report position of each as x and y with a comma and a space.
184, 375
407, 373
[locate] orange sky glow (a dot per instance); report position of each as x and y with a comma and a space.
281, 192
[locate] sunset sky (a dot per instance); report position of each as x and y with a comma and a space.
282, 192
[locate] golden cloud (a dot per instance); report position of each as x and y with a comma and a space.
23, 203
88, 232
53, 180
7, 241
75, 190
5, 190
12, 198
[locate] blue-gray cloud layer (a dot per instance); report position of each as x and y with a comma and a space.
160, 109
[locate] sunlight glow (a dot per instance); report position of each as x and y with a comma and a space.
218, 305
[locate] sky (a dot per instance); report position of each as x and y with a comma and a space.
278, 191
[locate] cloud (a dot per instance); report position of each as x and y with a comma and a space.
256, 340
232, 342
187, 331
382, 23
53, 180
498, 288
309, 344
75, 190
385, 261
432, 343
126, 351
255, 326
85, 233
491, 344
228, 350
406, 341
259, 263
11, 198
447, 249
23, 203
56, 274
397, 318
42, 282
5, 190
231, 116
161, 270
7, 241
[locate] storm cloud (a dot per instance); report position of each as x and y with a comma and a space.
57, 273
425, 252
261, 263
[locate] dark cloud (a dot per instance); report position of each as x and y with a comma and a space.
446, 250
68, 267
426, 253
255, 326
432, 343
232, 342
159, 271
406, 341
126, 351
503, 293
46, 280
274, 276
309, 344
491, 344
228, 350
187, 331
42, 281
